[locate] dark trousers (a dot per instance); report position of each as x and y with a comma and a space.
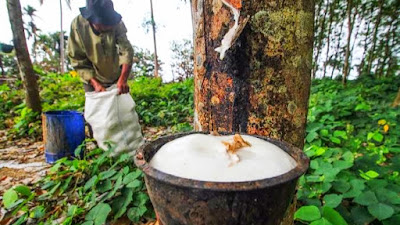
89, 88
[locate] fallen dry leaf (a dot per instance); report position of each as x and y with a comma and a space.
237, 144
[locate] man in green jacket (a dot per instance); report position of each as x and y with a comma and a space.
102, 55
98, 47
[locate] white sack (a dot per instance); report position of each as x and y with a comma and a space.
113, 118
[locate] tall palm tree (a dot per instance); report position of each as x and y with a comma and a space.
32, 29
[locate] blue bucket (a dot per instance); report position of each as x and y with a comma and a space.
63, 132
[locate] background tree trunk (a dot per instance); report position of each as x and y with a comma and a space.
337, 51
396, 102
62, 51
320, 41
346, 66
153, 25
24, 62
371, 54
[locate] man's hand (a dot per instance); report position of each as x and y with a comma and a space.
97, 86
122, 83
123, 87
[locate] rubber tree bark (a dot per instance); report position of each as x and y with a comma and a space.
24, 61
261, 84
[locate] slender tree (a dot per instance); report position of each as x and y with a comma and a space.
320, 37
153, 25
331, 17
32, 28
24, 61
349, 33
371, 53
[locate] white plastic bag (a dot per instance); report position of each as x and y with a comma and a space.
113, 118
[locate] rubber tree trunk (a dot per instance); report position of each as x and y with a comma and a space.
24, 61
262, 84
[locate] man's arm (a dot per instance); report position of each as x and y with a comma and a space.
125, 51
79, 60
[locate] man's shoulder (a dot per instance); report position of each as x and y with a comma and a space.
79, 22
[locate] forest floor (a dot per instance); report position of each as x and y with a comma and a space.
22, 161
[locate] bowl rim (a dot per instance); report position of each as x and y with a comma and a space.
141, 162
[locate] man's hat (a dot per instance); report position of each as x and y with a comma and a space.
100, 12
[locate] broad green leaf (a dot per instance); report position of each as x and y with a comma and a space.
394, 220
324, 132
140, 199
394, 149
378, 137
370, 135
377, 183
135, 213
107, 174
126, 170
117, 185
381, 211
332, 200
372, 174
9, 198
340, 133
312, 127
366, 198
23, 190
388, 196
311, 136
357, 184
341, 186
307, 213
127, 195
324, 167
321, 221
342, 165
333, 216
361, 216
98, 214
38, 212
90, 183
103, 186
88, 223
132, 176
134, 184
314, 164
335, 140
348, 156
